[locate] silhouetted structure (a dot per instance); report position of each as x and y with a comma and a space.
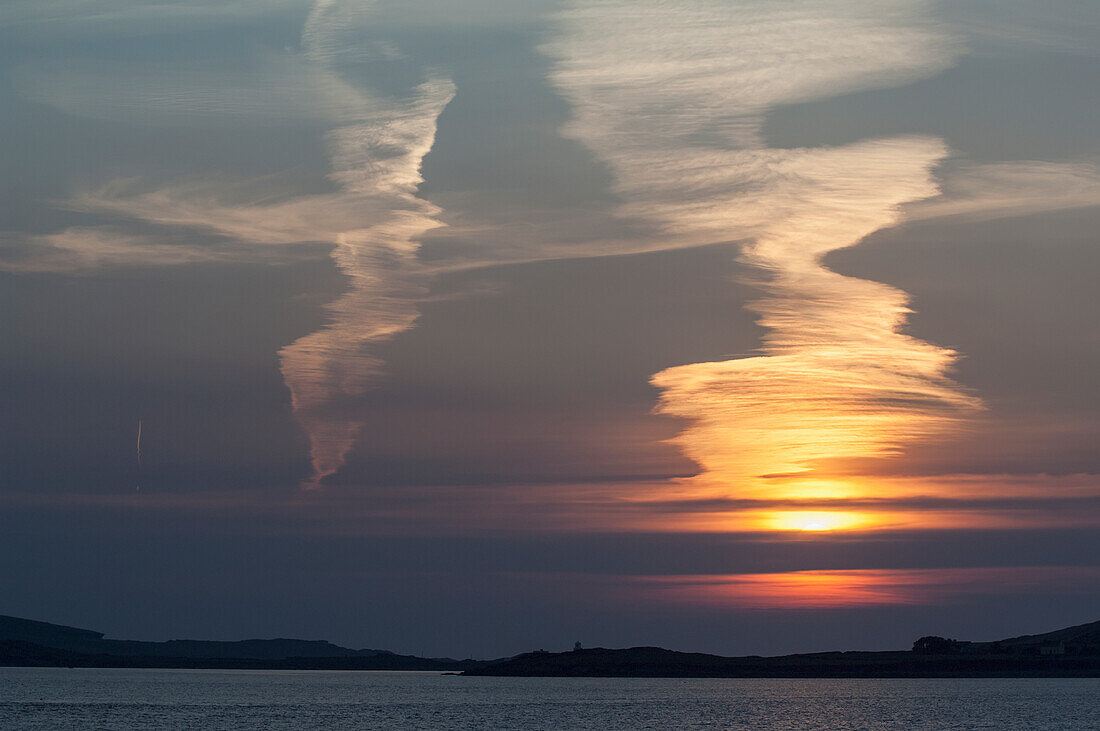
932, 645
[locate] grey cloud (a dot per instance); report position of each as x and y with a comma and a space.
274, 88
1010, 189
1005, 26
81, 17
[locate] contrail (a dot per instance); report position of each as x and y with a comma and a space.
138, 487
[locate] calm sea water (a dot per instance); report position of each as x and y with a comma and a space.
48, 698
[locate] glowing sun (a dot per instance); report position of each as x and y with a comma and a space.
815, 526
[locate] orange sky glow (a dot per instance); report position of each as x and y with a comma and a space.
853, 588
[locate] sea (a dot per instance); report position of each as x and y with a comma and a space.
62, 698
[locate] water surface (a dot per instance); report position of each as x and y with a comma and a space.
57, 698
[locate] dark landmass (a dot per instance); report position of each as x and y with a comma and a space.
25, 642
1070, 652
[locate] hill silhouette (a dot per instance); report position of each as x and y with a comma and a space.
1069, 652
30, 642
1079, 636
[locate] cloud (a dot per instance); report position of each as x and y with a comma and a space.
83, 17
671, 96
1007, 189
373, 220
643, 74
863, 587
379, 258
237, 211
376, 161
1059, 26
82, 249
273, 88
836, 377
333, 33
196, 223
669, 92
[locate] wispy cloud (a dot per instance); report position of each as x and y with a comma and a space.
1004, 190
375, 160
651, 76
273, 88
863, 587
1059, 26
81, 17
378, 160
373, 220
83, 249
836, 377
671, 96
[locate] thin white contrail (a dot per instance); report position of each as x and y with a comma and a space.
139, 450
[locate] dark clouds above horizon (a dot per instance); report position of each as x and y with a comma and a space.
529, 319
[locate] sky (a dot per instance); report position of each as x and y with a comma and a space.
470, 328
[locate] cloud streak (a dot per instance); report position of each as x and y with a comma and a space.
380, 262
836, 377
111, 17
671, 97
376, 159
373, 220
273, 88
862, 587
1007, 189
84, 249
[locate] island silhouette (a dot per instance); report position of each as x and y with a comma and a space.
1070, 652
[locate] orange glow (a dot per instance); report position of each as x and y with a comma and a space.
836, 589
815, 521
831, 521
831, 506
837, 378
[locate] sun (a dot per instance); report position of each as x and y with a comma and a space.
818, 521
815, 526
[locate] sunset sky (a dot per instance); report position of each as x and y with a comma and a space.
467, 327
